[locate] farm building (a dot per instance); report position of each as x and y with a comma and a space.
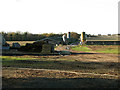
51, 41
104, 40
58, 40
3, 44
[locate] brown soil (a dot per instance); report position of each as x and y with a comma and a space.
46, 78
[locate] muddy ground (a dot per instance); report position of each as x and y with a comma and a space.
14, 77
30, 78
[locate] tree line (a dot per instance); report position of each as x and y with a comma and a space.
26, 36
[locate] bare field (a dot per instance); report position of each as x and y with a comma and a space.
80, 70
22, 43
45, 78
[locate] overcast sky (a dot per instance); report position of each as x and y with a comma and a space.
59, 16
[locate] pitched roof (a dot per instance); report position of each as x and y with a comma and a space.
50, 39
103, 38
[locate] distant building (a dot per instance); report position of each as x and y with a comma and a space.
3, 44
68, 35
64, 38
51, 41
3, 41
103, 40
109, 34
99, 34
15, 45
83, 37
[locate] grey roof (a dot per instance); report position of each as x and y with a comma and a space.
50, 39
103, 38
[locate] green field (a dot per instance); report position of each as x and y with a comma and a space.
81, 48
114, 49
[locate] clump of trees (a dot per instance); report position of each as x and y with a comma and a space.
75, 35
21, 36
26, 36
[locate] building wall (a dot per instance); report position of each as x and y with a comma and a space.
68, 35
64, 38
83, 37
103, 42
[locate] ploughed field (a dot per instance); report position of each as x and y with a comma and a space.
86, 68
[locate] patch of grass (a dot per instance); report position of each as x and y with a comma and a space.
109, 50
105, 48
98, 48
13, 61
81, 48
8, 58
